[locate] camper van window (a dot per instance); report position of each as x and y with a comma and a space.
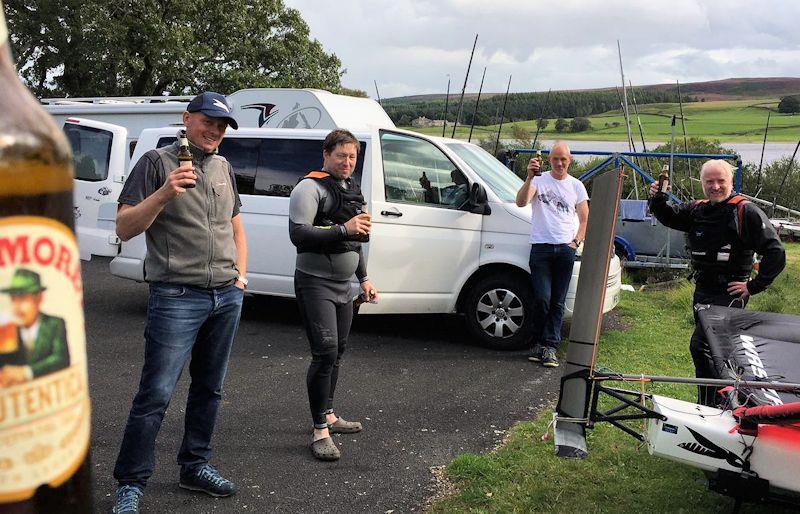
272, 167
242, 153
91, 151
415, 171
284, 161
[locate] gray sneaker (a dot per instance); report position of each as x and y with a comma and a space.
207, 479
536, 353
549, 359
127, 500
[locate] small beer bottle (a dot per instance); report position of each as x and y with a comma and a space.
44, 444
184, 154
541, 163
663, 179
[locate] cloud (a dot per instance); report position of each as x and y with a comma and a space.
411, 46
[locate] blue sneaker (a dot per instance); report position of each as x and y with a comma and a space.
207, 479
127, 500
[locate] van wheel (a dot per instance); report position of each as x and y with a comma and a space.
498, 312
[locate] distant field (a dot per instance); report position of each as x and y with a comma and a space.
730, 121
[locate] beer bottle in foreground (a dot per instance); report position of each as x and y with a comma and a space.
44, 400
184, 154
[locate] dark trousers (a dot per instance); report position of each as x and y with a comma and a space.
182, 321
326, 309
698, 346
551, 271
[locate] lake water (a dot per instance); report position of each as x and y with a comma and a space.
750, 152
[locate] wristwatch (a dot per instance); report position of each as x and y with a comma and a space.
243, 280
577, 243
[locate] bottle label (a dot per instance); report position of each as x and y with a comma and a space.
44, 400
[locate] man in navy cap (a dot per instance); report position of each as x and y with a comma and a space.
196, 266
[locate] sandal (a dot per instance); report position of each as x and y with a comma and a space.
341, 426
325, 449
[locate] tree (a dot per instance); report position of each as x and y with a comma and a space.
561, 125
148, 47
542, 123
580, 124
789, 104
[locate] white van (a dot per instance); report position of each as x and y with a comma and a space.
425, 255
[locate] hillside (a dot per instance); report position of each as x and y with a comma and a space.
726, 89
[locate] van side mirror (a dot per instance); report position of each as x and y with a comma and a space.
478, 201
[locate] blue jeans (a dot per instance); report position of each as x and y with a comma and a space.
181, 321
551, 270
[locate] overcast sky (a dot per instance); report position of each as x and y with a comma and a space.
411, 46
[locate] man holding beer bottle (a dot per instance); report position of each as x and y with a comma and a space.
724, 232
196, 266
560, 210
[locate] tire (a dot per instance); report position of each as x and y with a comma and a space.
497, 310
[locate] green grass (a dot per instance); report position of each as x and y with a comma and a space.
728, 121
618, 476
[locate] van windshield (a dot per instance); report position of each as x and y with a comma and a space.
497, 177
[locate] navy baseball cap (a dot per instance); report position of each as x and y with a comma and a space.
213, 105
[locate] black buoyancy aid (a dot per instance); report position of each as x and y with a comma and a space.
717, 249
339, 207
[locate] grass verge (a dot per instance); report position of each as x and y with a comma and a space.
619, 475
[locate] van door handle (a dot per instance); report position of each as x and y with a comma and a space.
391, 213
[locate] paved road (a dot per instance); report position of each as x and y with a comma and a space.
423, 392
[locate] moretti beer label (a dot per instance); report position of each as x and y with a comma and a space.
44, 400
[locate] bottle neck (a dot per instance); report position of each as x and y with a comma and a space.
3, 29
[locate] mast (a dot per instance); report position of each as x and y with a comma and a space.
478, 101
378, 93
446, 103
761, 162
464, 88
685, 143
541, 114
502, 116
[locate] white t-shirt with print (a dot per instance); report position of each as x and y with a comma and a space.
553, 216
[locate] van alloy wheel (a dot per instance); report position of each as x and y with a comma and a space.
500, 313
497, 309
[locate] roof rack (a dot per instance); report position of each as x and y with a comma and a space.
116, 100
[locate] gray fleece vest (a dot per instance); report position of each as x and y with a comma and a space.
191, 240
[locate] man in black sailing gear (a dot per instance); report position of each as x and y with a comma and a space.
327, 224
725, 231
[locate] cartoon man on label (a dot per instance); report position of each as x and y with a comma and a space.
35, 344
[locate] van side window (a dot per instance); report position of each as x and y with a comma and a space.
241, 152
272, 167
91, 151
285, 161
416, 171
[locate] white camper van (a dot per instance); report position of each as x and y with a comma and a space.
425, 254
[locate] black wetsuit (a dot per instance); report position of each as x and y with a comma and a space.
327, 258
723, 238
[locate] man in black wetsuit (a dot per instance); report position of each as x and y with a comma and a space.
724, 232
327, 224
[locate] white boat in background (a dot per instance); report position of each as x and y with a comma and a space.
787, 228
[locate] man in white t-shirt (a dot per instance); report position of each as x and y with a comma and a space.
560, 209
